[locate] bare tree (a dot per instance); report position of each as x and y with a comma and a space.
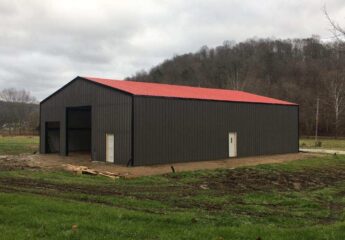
336, 89
337, 30
18, 110
336, 85
234, 82
338, 105
15, 95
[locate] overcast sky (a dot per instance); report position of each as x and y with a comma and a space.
44, 44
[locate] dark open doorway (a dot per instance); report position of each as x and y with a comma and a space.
78, 129
52, 137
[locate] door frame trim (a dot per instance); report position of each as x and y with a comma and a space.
235, 144
106, 147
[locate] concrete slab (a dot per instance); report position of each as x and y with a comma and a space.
318, 150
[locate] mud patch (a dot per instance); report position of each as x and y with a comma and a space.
19, 162
21, 183
236, 181
67, 192
249, 179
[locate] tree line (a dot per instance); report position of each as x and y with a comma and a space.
19, 112
296, 70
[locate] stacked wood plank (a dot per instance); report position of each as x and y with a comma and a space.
86, 170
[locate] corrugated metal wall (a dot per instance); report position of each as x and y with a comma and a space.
172, 130
111, 112
177, 130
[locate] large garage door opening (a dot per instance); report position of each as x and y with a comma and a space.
78, 129
52, 137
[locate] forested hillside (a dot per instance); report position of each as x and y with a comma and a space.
298, 70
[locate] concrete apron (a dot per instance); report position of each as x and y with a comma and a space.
328, 151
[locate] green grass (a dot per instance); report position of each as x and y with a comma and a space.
326, 143
243, 203
29, 144
18, 144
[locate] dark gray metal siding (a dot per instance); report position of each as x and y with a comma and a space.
167, 130
111, 112
180, 130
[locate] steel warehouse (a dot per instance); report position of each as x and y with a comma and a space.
137, 123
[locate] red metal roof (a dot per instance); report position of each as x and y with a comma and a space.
178, 91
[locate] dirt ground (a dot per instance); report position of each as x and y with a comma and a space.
54, 161
235, 183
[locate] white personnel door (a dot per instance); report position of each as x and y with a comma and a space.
110, 148
232, 144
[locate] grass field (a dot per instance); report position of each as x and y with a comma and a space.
326, 143
18, 144
29, 144
303, 199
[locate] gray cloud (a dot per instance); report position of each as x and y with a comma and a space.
44, 44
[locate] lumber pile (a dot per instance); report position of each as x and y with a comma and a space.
85, 170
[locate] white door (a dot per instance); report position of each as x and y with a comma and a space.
232, 144
110, 148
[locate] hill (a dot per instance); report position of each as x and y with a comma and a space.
296, 70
